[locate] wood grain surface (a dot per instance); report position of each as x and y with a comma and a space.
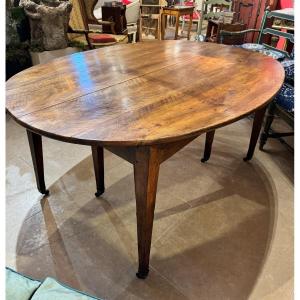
142, 94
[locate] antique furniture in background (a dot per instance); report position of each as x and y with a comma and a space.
117, 15
115, 105
211, 10
150, 19
86, 29
132, 18
214, 28
284, 102
251, 12
177, 12
265, 33
196, 15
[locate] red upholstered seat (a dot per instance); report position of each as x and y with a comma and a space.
196, 14
101, 38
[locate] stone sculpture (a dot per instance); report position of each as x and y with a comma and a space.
49, 21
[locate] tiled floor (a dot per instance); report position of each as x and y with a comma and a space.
222, 230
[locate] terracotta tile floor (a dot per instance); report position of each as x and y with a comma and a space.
223, 230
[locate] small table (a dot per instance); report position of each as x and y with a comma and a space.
176, 11
114, 98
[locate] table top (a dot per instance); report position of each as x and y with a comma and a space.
143, 93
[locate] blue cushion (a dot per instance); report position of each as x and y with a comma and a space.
288, 66
285, 97
50, 289
19, 287
292, 54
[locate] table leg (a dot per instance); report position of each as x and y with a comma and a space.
146, 161
36, 149
176, 26
146, 169
208, 144
257, 123
163, 26
190, 27
98, 160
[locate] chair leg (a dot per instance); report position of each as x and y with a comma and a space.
182, 25
269, 120
134, 37
208, 144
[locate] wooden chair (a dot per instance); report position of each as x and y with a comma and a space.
265, 32
85, 28
132, 18
211, 9
227, 40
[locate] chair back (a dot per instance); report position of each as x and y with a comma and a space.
211, 9
266, 32
133, 12
89, 7
83, 13
78, 16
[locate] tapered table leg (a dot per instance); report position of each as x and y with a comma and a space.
146, 169
36, 149
208, 144
257, 123
98, 160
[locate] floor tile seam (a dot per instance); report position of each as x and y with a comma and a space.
173, 284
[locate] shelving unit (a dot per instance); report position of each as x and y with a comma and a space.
150, 20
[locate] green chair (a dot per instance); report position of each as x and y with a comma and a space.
264, 31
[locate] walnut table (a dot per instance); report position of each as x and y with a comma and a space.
119, 99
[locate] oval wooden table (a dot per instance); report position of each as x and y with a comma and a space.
143, 102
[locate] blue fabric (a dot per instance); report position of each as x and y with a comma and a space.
289, 69
50, 289
19, 287
292, 55
285, 97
